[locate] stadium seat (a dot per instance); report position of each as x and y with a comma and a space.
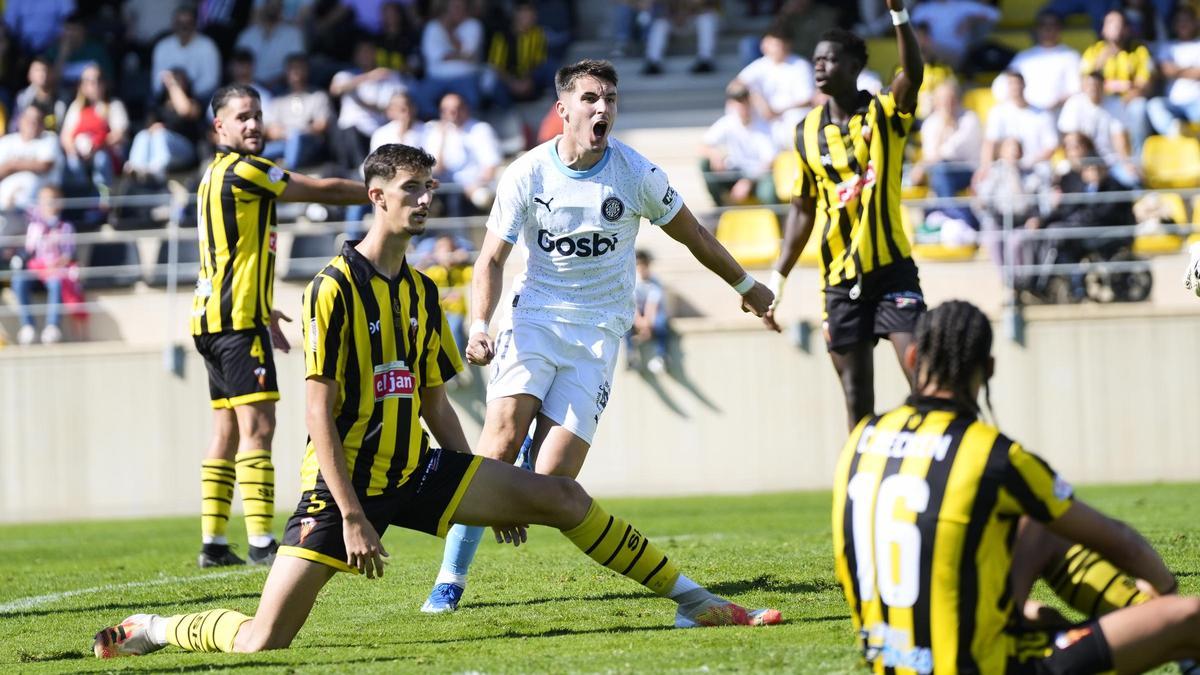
979, 100
1016, 40
188, 257
310, 253
1019, 13
750, 235
1078, 39
784, 171
943, 253
883, 57
1171, 162
1157, 244
112, 264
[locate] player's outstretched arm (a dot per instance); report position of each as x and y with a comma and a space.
442, 421
340, 191
487, 281
912, 66
797, 228
364, 552
1118, 542
685, 229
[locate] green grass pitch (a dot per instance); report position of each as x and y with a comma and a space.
541, 608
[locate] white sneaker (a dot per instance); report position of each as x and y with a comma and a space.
132, 637
51, 334
26, 335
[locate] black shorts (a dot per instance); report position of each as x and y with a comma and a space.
1082, 648
423, 503
888, 300
241, 366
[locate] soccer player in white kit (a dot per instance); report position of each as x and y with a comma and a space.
575, 204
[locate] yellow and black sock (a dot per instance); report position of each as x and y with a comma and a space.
211, 631
614, 543
216, 498
256, 478
1091, 584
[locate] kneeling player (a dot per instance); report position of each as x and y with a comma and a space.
378, 351
941, 524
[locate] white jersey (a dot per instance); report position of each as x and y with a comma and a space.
578, 230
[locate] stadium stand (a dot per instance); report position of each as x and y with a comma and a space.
751, 235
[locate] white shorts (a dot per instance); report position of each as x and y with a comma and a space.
568, 367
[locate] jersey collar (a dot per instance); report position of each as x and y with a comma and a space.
362, 270
572, 173
928, 403
863, 103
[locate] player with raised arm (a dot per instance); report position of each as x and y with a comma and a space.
941, 525
850, 151
378, 352
575, 204
234, 322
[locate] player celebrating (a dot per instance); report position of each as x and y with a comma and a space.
928, 502
378, 351
851, 150
233, 322
576, 203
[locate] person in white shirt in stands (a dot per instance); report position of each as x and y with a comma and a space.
1050, 68
404, 127
576, 204
467, 153
1015, 118
29, 158
954, 25
737, 153
364, 92
950, 141
272, 41
1179, 62
452, 46
190, 50
299, 119
781, 86
1085, 113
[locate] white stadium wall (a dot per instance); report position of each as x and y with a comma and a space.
98, 431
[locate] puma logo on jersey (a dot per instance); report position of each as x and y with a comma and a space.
544, 203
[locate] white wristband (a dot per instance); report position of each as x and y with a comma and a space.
478, 326
776, 285
900, 18
743, 287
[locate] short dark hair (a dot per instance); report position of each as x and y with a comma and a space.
564, 79
231, 91
953, 340
387, 159
296, 57
242, 55
643, 256
779, 31
852, 45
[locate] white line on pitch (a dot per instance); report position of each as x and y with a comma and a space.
20, 604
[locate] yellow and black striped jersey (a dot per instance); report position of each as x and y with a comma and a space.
925, 508
1134, 64
518, 54
381, 340
853, 171
236, 203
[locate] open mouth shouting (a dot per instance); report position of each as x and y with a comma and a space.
599, 131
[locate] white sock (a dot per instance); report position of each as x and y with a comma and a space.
157, 629
219, 539
261, 540
445, 577
682, 585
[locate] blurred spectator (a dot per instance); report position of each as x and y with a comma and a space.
398, 44
449, 265
934, 74
49, 258
168, 143
954, 27
293, 12
1128, 71
737, 153
271, 41
28, 160
649, 319
40, 94
76, 50
803, 22
467, 153
1010, 190
1179, 62
93, 134
873, 18
518, 65
329, 31
148, 20
299, 119
950, 142
781, 87
1050, 68
551, 126
452, 46
404, 127
222, 20
672, 15
1084, 113
624, 22
368, 15
36, 24
243, 69
364, 92
1015, 118
189, 50
1145, 21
